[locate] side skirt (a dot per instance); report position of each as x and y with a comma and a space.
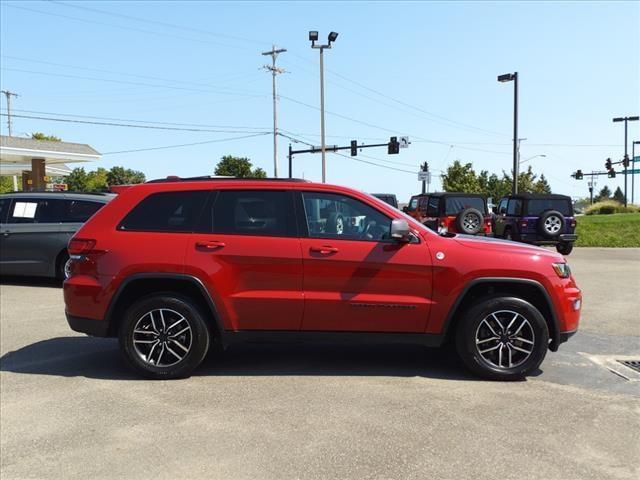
284, 336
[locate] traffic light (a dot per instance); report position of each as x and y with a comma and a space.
607, 164
611, 174
354, 148
625, 161
394, 146
579, 175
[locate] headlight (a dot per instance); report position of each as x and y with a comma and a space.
562, 269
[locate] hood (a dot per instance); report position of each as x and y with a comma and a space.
493, 245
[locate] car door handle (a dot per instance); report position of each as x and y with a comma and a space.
210, 245
325, 249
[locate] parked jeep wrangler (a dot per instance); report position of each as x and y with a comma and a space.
451, 212
539, 219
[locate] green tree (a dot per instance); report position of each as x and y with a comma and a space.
605, 194
6, 184
78, 180
42, 136
542, 186
97, 180
460, 178
239, 167
618, 196
124, 176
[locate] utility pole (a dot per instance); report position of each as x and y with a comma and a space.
626, 120
9, 94
425, 168
274, 71
633, 171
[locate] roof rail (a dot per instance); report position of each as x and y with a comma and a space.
204, 178
73, 192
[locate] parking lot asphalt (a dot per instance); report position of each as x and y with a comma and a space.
69, 408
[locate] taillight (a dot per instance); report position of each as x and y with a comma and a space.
574, 222
80, 246
524, 223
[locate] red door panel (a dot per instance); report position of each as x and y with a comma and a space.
256, 281
365, 286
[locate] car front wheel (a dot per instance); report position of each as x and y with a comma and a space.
564, 248
164, 336
502, 338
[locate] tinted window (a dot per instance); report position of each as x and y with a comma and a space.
454, 205
413, 204
4, 209
341, 217
166, 212
253, 212
432, 206
502, 207
536, 207
514, 207
79, 211
35, 210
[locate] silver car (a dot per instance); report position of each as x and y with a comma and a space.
35, 228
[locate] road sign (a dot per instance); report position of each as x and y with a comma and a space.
630, 171
636, 159
424, 176
404, 142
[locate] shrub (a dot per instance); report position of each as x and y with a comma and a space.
608, 207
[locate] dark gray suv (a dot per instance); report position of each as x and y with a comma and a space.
35, 228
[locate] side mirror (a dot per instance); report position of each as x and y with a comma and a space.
400, 230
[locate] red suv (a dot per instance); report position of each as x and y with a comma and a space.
172, 267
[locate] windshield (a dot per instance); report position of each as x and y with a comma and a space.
536, 207
454, 205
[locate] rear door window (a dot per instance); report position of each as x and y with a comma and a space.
514, 207
79, 211
252, 212
537, 206
36, 210
166, 212
432, 206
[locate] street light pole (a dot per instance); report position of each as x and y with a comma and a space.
626, 120
508, 77
313, 37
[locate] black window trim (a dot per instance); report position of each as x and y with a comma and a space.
303, 218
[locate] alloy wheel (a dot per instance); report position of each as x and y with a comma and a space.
471, 222
553, 224
162, 337
68, 268
505, 339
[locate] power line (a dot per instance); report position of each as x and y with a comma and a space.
157, 22
141, 121
128, 125
128, 82
122, 27
187, 144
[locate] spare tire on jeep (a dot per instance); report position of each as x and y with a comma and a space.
551, 223
469, 221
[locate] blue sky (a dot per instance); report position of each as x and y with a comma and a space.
426, 70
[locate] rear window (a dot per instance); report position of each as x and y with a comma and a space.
79, 211
166, 212
537, 206
454, 205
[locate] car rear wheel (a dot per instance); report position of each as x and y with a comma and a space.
502, 338
63, 266
564, 248
164, 336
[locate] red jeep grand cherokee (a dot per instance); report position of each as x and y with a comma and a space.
174, 266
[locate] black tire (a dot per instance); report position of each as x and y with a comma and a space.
174, 306
470, 221
551, 223
564, 248
472, 326
62, 266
